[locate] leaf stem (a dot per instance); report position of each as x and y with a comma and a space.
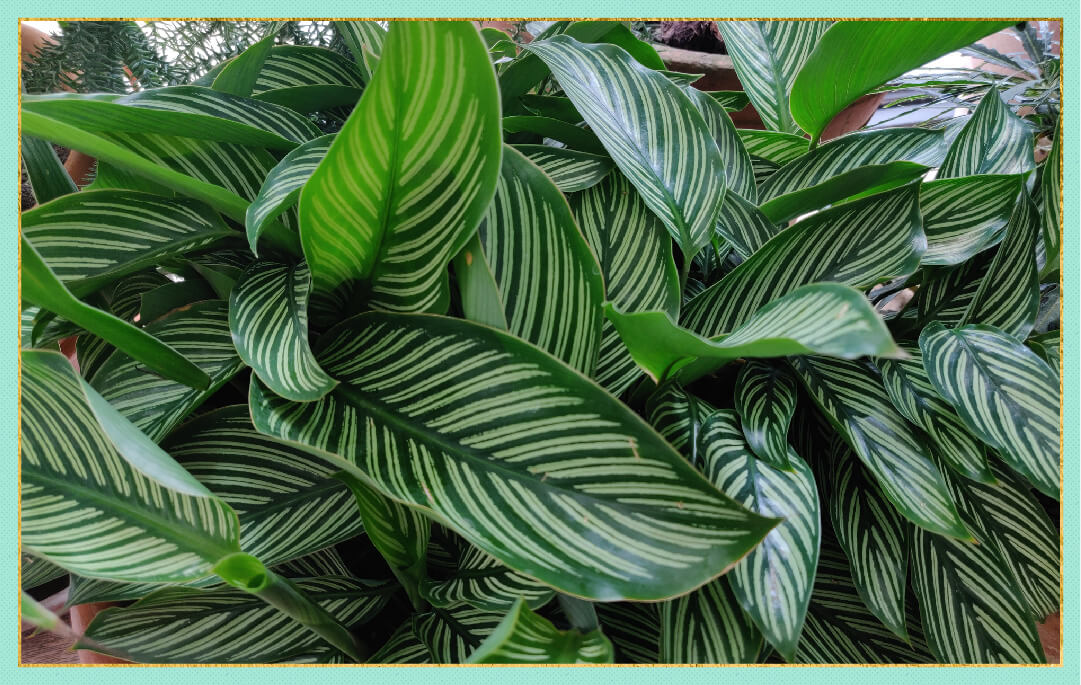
580, 613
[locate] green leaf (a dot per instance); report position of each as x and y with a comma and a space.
95, 237
569, 134
282, 186
633, 628
873, 536
482, 582
635, 256
239, 74
678, 416
34, 572
1051, 194
864, 180
154, 404
552, 457
766, 400
855, 57
860, 243
41, 287
1046, 346
707, 626
48, 177
773, 583
669, 155
945, 293
410, 174
731, 100
361, 37
744, 226
546, 279
570, 170
553, 107
774, 146
268, 319
226, 625
452, 635
851, 395
523, 637
821, 318
1009, 295
403, 647
964, 216
738, 172
767, 56
1004, 393
304, 66
98, 498
993, 141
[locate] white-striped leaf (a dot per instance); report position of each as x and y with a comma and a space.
523, 637
225, 625
767, 56
851, 395
268, 319
482, 582
98, 498
403, 647
154, 404
451, 635
945, 293
506, 444
873, 536
773, 583
283, 184
821, 318
1009, 294
773, 146
744, 225
34, 572
678, 416
964, 216
993, 141
860, 243
410, 174
708, 626
653, 132
766, 400
299, 66
1051, 194
634, 629
1003, 392
635, 256
363, 38
570, 170
848, 153
547, 282
237, 75
739, 176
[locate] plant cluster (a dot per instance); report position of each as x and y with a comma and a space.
540, 359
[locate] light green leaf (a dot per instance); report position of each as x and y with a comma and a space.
570, 170
821, 318
945, 293
523, 637
1004, 393
304, 66
993, 141
766, 400
361, 37
851, 396
773, 583
282, 186
668, 154
48, 177
34, 572
964, 216
731, 100
238, 75
707, 626
856, 57
410, 174
768, 56
452, 635
552, 457
482, 582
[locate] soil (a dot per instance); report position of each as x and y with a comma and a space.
701, 36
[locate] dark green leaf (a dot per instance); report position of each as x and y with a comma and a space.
766, 400
523, 637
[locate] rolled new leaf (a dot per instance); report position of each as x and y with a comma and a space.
523, 637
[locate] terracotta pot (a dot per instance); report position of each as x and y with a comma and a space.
81, 616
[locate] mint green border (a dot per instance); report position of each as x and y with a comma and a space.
1069, 673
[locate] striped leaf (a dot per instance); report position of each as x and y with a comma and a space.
35, 572
912, 394
268, 319
157, 405
731, 100
398, 532
851, 396
635, 256
363, 38
840, 630
873, 536
48, 177
392, 221
225, 625
653, 133
744, 226
1047, 346
546, 280
98, 498
282, 186
773, 146
767, 56
766, 400
500, 440
483, 583
972, 609
452, 635
92, 238
772, 583
1051, 194
238, 75
570, 170
523, 637
403, 647
839, 159
946, 293
993, 141
299, 66
1003, 392
868, 54
570, 135
678, 416
860, 243
1009, 295
821, 318
634, 629
964, 216
707, 626
739, 176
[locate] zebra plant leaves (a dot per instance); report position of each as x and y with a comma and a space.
480, 581
1051, 194
707, 626
523, 637
282, 186
964, 216
766, 400
570, 170
453, 635
994, 141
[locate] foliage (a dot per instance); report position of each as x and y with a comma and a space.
538, 359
